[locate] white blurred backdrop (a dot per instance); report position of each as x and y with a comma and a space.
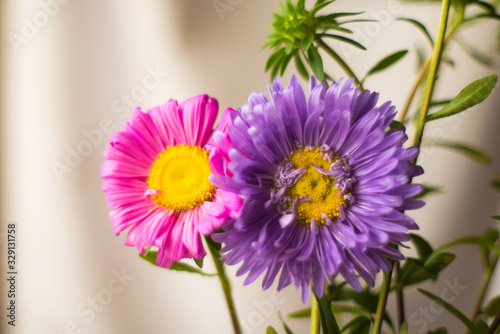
71, 73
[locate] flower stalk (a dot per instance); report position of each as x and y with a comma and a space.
315, 316
226, 287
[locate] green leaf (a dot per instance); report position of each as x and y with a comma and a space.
357, 322
421, 245
299, 65
395, 125
440, 330
467, 240
316, 63
361, 327
471, 95
271, 330
344, 39
386, 62
450, 309
493, 307
303, 313
306, 42
338, 308
274, 58
467, 150
404, 328
496, 217
474, 53
177, 266
319, 6
199, 263
357, 21
495, 183
285, 326
438, 103
428, 189
415, 271
420, 26
489, 8
284, 62
328, 322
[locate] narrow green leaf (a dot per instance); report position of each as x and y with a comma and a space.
438, 103
199, 263
428, 189
328, 322
495, 183
315, 62
493, 307
404, 328
474, 53
177, 266
357, 21
450, 309
344, 39
489, 8
471, 95
284, 62
386, 62
421, 245
415, 271
271, 330
440, 330
334, 16
361, 327
420, 26
319, 6
285, 326
299, 65
467, 240
338, 308
306, 42
303, 313
354, 322
496, 217
273, 58
467, 150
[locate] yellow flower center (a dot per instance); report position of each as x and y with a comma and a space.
320, 188
180, 173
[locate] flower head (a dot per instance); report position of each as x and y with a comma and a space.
156, 177
325, 186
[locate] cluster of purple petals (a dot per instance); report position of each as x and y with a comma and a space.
374, 170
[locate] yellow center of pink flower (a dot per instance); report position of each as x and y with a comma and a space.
180, 174
320, 188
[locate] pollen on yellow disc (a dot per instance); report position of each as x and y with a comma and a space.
181, 173
320, 188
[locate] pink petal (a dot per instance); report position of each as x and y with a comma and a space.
198, 117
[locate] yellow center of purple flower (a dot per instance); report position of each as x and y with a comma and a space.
319, 188
180, 174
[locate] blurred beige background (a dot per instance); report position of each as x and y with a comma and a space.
74, 76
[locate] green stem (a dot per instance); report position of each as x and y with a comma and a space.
315, 316
382, 301
421, 74
431, 78
399, 296
495, 325
339, 60
488, 274
226, 287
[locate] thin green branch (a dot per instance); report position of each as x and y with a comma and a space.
431, 77
226, 287
339, 61
382, 301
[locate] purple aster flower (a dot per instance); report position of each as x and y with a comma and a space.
324, 185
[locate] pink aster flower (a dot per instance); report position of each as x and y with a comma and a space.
156, 179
